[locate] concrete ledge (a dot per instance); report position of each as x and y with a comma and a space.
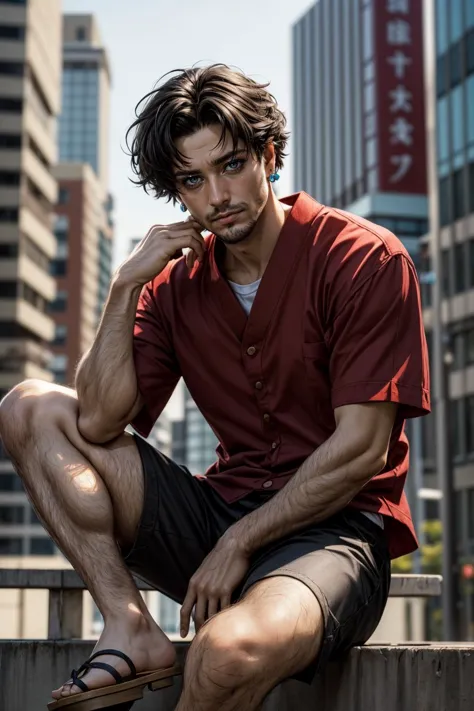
402, 585
430, 677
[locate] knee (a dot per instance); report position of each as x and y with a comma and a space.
229, 652
31, 405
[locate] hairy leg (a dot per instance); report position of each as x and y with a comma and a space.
242, 653
89, 498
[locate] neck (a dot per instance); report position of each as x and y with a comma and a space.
246, 262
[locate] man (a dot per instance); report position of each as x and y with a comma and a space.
297, 329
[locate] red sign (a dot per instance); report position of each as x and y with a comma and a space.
399, 86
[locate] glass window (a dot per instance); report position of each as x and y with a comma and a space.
455, 64
42, 546
469, 415
470, 52
12, 32
367, 23
445, 270
470, 246
63, 196
457, 117
470, 109
458, 351
11, 546
81, 34
59, 362
455, 19
469, 347
444, 202
60, 302
371, 152
10, 482
58, 267
441, 75
11, 514
441, 26
455, 426
459, 269
458, 194
469, 13
369, 96
33, 518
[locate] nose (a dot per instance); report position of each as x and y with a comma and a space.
218, 194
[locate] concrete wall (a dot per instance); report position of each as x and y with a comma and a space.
421, 678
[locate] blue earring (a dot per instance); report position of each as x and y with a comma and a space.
274, 177
183, 208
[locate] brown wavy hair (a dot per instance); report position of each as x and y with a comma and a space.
186, 102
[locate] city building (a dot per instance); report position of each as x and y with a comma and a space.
30, 84
359, 130
83, 223
449, 302
80, 225
200, 442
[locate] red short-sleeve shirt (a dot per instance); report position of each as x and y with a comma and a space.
336, 320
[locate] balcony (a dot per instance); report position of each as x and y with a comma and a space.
392, 677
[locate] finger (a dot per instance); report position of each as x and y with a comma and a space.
200, 613
212, 607
190, 259
188, 240
185, 613
224, 602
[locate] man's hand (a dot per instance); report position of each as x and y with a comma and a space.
213, 583
158, 247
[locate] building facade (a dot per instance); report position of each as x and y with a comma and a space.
30, 76
451, 81
83, 223
359, 137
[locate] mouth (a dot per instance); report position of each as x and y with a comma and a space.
227, 217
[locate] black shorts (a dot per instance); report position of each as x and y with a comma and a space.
344, 560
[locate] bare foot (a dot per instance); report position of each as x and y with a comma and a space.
146, 645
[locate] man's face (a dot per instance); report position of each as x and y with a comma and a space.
223, 189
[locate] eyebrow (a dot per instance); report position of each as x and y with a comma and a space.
214, 163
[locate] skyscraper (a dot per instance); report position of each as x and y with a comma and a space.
30, 71
83, 225
449, 315
359, 137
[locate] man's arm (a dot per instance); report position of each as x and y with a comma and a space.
106, 381
327, 481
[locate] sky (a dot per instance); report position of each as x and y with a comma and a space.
148, 38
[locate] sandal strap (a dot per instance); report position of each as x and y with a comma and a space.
114, 653
106, 667
77, 682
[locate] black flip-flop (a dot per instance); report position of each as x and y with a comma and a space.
116, 697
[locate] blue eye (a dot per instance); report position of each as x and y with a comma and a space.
192, 181
235, 164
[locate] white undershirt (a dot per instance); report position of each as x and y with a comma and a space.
245, 293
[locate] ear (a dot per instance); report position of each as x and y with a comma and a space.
269, 157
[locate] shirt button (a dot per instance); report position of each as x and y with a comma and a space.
251, 351
259, 385
274, 445
266, 417
267, 484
